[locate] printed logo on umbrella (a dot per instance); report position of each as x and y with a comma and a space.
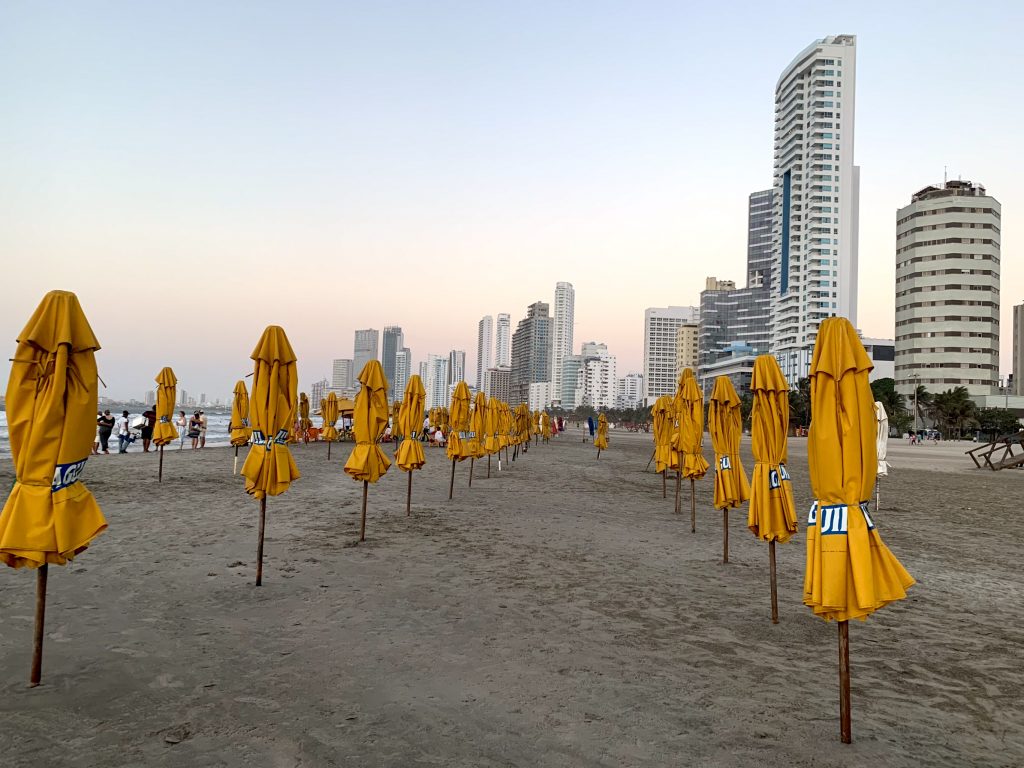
65, 475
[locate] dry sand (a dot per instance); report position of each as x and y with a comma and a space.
557, 614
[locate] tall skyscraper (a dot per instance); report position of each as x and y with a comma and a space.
759, 240
815, 201
364, 350
947, 290
317, 392
503, 346
393, 342
341, 375
660, 330
403, 370
1018, 349
531, 352
436, 381
630, 391
484, 348
456, 367
561, 333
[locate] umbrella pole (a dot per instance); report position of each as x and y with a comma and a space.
259, 546
408, 496
775, 593
488, 466
362, 521
679, 482
725, 535
877, 494
160, 475
329, 450
650, 459
844, 682
451, 485
234, 470
693, 508
471, 472
37, 638
598, 454
664, 494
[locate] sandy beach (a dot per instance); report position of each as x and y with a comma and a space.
556, 614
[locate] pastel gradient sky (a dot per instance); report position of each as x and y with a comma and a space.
196, 171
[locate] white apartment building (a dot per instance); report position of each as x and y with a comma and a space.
947, 290
456, 367
815, 201
434, 373
539, 395
562, 323
403, 370
661, 325
687, 349
596, 383
484, 348
342, 377
629, 391
503, 341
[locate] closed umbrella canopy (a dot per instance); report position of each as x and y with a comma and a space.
725, 421
367, 461
663, 423
492, 426
535, 423
329, 414
50, 516
881, 438
457, 438
689, 443
410, 452
269, 468
850, 572
772, 515
601, 441
240, 428
475, 444
304, 421
165, 432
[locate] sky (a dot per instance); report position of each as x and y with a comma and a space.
196, 171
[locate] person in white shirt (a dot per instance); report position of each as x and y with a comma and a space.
124, 434
182, 423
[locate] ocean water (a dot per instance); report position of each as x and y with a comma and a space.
218, 421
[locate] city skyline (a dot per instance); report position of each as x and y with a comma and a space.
581, 172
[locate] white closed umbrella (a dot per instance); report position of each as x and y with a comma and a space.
881, 444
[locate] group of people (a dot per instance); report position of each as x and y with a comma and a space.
194, 428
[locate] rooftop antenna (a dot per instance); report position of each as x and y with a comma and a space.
945, 176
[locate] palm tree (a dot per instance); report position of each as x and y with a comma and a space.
923, 402
953, 410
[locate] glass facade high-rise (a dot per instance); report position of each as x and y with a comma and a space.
562, 325
484, 348
531, 351
503, 341
364, 350
393, 342
815, 201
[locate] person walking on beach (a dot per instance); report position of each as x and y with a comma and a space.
124, 434
147, 429
194, 426
202, 429
106, 427
182, 424
96, 442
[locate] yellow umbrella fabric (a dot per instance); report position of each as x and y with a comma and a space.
601, 440
457, 438
304, 421
725, 421
663, 423
410, 419
690, 417
269, 468
240, 428
475, 446
545, 425
329, 413
772, 514
396, 428
850, 572
492, 421
50, 516
165, 433
367, 461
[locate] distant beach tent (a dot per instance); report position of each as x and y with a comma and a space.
881, 448
239, 429
164, 432
410, 419
458, 446
601, 441
269, 469
850, 573
367, 462
772, 514
52, 393
689, 406
329, 416
725, 422
663, 417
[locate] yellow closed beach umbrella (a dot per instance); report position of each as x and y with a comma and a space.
239, 429
601, 439
50, 516
269, 469
663, 416
396, 425
305, 423
689, 406
457, 447
725, 422
165, 433
850, 573
477, 431
410, 452
772, 515
367, 461
545, 426
492, 420
535, 424
329, 414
